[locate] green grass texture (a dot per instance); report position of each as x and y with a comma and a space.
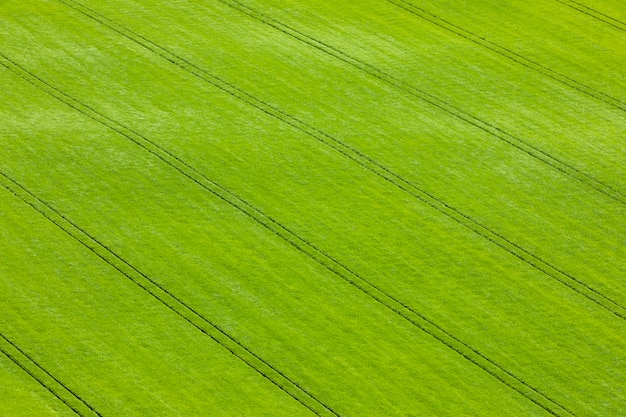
266, 208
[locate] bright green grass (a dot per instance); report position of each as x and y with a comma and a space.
20, 395
538, 30
312, 325
613, 8
558, 119
118, 348
515, 195
351, 352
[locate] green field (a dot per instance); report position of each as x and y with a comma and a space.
300, 208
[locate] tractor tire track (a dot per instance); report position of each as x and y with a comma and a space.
51, 383
168, 299
594, 13
496, 132
302, 245
375, 167
509, 54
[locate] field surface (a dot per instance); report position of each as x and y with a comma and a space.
300, 208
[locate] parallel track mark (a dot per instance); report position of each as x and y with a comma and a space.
57, 388
509, 54
168, 299
496, 132
343, 272
618, 24
370, 164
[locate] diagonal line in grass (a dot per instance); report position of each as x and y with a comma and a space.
367, 163
507, 53
168, 299
51, 383
498, 133
618, 24
395, 305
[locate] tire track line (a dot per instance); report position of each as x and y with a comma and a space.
496, 132
509, 54
594, 13
51, 383
373, 166
191, 316
168, 299
305, 247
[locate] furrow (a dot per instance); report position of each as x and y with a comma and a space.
168, 299
594, 13
51, 383
373, 166
496, 132
341, 271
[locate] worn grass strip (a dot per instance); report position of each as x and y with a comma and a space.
351, 153
437, 102
618, 24
378, 294
170, 300
51, 383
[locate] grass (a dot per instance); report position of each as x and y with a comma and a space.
330, 209
22, 395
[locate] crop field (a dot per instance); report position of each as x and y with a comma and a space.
312, 208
